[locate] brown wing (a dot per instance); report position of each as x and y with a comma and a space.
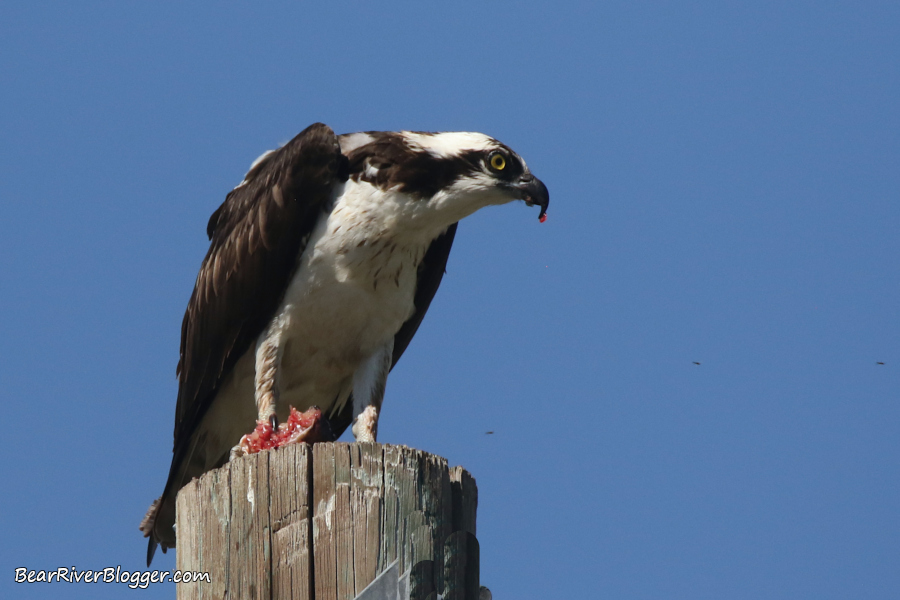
256, 236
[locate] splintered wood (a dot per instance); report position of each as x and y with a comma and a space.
322, 522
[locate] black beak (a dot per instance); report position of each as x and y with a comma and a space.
534, 192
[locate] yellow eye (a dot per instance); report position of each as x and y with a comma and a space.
498, 163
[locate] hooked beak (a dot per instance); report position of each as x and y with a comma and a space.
533, 191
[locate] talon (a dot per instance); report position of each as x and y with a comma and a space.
273, 421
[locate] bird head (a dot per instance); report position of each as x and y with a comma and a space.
450, 174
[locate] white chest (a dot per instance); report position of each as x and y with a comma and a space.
353, 290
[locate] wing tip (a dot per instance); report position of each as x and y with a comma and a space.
151, 549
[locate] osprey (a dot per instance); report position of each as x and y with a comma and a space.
321, 265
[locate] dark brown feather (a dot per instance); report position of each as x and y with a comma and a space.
252, 256
256, 237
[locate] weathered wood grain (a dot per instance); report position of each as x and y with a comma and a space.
465, 500
366, 490
290, 474
215, 527
322, 522
461, 568
346, 589
190, 555
249, 558
390, 514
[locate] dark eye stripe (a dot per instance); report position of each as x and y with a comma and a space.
419, 173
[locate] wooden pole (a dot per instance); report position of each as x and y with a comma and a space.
322, 522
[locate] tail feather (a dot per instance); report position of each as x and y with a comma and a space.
148, 524
150, 518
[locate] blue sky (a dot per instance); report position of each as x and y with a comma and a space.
725, 189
